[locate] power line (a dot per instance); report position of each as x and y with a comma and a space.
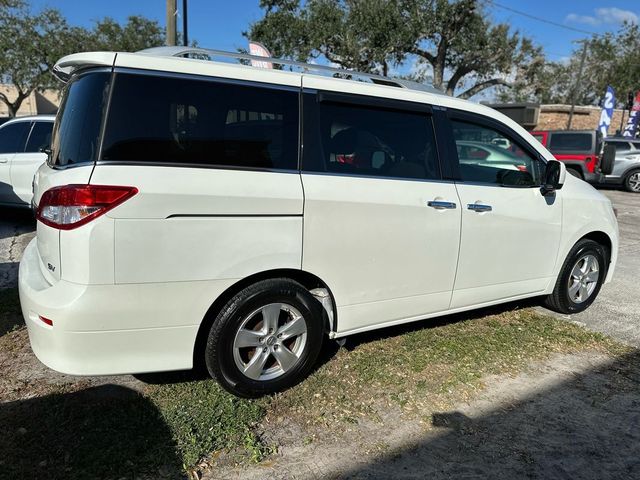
539, 19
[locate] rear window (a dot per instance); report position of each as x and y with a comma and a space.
621, 146
77, 128
174, 120
571, 142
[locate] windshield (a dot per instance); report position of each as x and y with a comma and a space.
77, 128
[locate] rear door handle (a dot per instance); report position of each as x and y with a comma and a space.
4, 160
478, 207
440, 205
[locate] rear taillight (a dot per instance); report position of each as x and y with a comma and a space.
70, 206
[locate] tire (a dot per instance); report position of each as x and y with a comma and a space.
250, 361
575, 173
574, 294
632, 181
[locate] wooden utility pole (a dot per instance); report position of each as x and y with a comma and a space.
171, 23
576, 86
185, 35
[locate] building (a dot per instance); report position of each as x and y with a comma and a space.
533, 116
38, 103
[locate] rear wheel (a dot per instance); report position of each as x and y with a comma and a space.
575, 173
632, 181
580, 279
266, 338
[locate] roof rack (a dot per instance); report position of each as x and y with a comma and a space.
245, 58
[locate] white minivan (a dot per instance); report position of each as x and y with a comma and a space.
195, 211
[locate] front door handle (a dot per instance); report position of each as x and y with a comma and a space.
4, 160
478, 207
440, 205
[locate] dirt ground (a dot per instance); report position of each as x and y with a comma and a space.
573, 416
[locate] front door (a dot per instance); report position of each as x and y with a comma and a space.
12, 140
510, 232
380, 226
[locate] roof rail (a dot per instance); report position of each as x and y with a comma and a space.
245, 58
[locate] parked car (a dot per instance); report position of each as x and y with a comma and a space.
180, 220
23, 141
626, 169
580, 150
478, 153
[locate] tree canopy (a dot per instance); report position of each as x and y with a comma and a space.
612, 59
32, 43
452, 43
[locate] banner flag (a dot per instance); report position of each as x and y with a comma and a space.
259, 50
634, 115
607, 110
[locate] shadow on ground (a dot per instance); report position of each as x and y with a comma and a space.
15, 220
587, 427
102, 432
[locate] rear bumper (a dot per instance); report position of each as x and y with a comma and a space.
111, 329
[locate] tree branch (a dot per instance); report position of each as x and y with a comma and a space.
429, 57
478, 87
455, 78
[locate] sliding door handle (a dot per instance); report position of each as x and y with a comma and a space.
440, 205
478, 207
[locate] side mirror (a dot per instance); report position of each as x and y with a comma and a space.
554, 177
608, 159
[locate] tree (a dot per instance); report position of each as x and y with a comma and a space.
464, 52
137, 34
32, 43
612, 59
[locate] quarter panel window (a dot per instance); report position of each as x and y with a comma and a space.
40, 137
201, 122
487, 155
571, 142
361, 140
13, 136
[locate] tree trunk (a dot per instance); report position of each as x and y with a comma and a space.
14, 106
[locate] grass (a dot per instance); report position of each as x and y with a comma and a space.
423, 368
165, 430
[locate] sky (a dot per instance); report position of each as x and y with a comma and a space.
219, 24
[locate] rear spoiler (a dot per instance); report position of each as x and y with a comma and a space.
67, 66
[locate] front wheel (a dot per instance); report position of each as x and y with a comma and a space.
580, 279
632, 181
266, 338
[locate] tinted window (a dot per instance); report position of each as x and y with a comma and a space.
488, 156
77, 128
13, 136
201, 122
361, 140
40, 137
576, 142
621, 146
